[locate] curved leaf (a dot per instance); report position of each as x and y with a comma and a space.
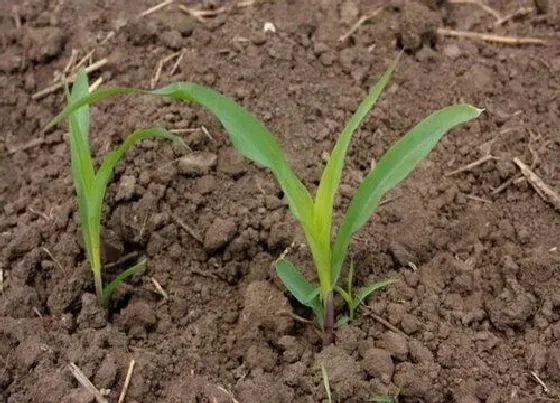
109, 288
363, 292
250, 138
299, 287
399, 161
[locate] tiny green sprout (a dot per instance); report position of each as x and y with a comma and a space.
354, 300
91, 186
326, 383
254, 141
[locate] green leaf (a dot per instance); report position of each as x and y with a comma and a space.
104, 175
326, 383
82, 169
330, 180
341, 321
298, 286
399, 161
345, 295
250, 138
363, 292
95, 96
108, 290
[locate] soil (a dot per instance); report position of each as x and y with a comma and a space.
475, 316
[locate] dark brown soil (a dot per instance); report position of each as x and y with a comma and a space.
474, 318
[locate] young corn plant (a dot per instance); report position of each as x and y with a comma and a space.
91, 186
253, 140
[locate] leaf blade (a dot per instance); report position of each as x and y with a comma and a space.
109, 288
330, 179
365, 291
106, 169
299, 287
81, 164
397, 163
251, 139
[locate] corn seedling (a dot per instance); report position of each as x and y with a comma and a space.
254, 141
91, 186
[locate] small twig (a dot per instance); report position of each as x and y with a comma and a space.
160, 66
184, 130
543, 190
86, 58
17, 18
480, 4
39, 213
509, 40
186, 228
2, 281
540, 381
472, 165
71, 61
520, 12
55, 87
177, 62
363, 19
295, 317
30, 144
369, 312
86, 383
200, 15
204, 274
126, 381
95, 85
159, 288
230, 395
206, 133
155, 8
479, 199
387, 201
48, 252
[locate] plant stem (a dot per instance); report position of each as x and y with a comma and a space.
329, 320
98, 286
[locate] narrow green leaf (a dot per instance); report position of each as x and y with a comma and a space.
341, 321
104, 175
363, 292
95, 96
81, 163
108, 290
80, 89
326, 383
111, 160
330, 180
299, 287
399, 161
316, 292
250, 138
345, 295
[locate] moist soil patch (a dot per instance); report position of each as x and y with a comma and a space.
475, 314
